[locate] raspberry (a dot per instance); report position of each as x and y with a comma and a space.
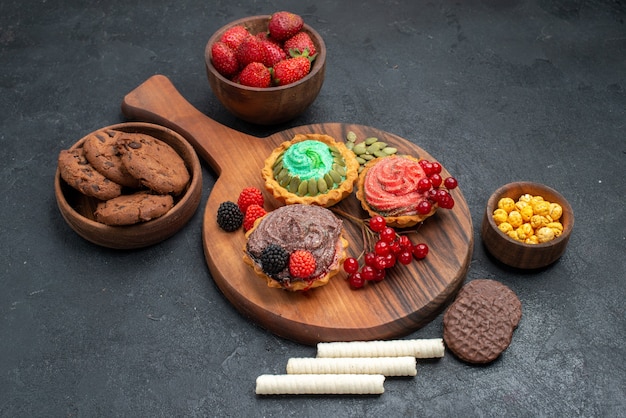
249, 196
229, 217
274, 259
253, 212
301, 264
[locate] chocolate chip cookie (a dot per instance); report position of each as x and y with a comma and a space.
102, 152
134, 208
155, 163
78, 173
478, 326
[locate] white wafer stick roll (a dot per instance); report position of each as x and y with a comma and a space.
422, 348
320, 384
387, 366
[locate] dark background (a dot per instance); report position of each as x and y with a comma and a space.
498, 91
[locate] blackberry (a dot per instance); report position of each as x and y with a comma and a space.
229, 216
274, 259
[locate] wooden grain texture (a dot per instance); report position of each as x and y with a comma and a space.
406, 300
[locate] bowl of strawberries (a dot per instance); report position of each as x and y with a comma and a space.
266, 69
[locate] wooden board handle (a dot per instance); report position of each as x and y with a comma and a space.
157, 101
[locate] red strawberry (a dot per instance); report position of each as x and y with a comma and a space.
255, 74
224, 59
250, 50
234, 36
265, 36
291, 70
298, 43
283, 25
302, 264
253, 213
249, 196
273, 53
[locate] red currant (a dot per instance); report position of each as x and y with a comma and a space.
436, 180
447, 202
405, 242
382, 248
424, 185
420, 251
424, 207
405, 257
379, 275
391, 260
450, 183
351, 265
432, 195
377, 223
368, 273
370, 258
380, 263
356, 281
436, 167
444, 199
395, 246
388, 234
428, 168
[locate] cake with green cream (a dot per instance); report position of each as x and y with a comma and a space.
311, 169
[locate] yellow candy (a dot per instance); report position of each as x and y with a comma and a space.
541, 208
555, 211
557, 227
526, 198
513, 235
524, 231
536, 199
505, 227
537, 221
515, 219
520, 204
507, 204
527, 213
545, 234
499, 216
531, 219
532, 240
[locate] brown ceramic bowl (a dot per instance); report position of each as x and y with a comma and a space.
272, 105
517, 254
78, 209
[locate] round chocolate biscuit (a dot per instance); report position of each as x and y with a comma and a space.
478, 326
133, 208
155, 163
78, 173
503, 297
103, 154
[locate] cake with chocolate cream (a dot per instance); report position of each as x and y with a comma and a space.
275, 237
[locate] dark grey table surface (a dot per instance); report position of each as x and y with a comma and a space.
498, 91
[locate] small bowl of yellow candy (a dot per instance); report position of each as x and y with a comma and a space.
527, 225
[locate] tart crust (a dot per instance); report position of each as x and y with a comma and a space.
403, 221
332, 196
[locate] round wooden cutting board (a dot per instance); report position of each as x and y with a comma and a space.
407, 299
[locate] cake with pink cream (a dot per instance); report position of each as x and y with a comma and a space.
390, 187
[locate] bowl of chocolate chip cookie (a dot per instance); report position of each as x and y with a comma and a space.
129, 185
